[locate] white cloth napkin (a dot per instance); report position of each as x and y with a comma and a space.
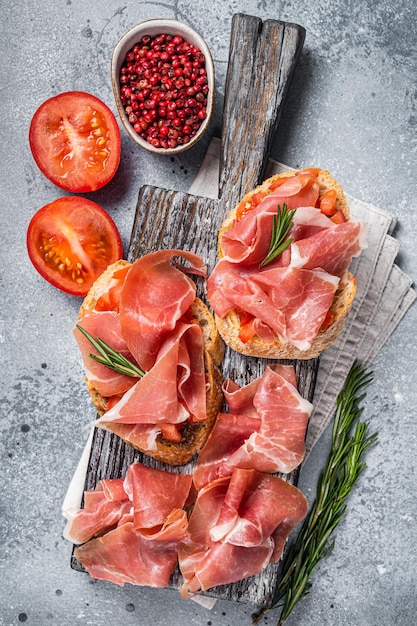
384, 295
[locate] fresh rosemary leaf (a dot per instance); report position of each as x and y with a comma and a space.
344, 465
111, 358
281, 226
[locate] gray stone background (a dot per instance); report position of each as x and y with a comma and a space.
352, 110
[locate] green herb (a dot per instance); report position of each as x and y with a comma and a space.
113, 359
281, 226
342, 470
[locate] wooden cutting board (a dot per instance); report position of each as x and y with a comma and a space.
262, 59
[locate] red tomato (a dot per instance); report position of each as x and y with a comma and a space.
71, 241
257, 199
112, 401
277, 183
338, 217
327, 202
246, 331
171, 432
327, 320
242, 209
75, 141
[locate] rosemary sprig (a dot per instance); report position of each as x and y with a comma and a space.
110, 357
281, 226
343, 468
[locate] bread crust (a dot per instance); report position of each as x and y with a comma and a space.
194, 435
229, 325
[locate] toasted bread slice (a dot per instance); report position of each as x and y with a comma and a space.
229, 325
194, 435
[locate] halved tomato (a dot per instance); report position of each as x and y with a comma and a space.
75, 141
71, 241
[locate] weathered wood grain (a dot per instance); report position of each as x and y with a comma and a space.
262, 59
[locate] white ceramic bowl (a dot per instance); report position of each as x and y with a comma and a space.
133, 36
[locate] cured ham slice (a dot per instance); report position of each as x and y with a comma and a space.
154, 398
153, 319
113, 489
171, 392
279, 446
142, 436
299, 190
307, 221
228, 435
103, 508
224, 274
155, 295
292, 302
123, 555
331, 249
248, 240
210, 564
155, 494
139, 528
173, 528
106, 326
302, 297
240, 399
254, 505
267, 433
239, 525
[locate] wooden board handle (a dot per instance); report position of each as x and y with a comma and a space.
262, 59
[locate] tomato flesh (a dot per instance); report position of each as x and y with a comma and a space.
339, 217
75, 141
171, 432
246, 330
112, 401
71, 241
257, 199
327, 320
327, 202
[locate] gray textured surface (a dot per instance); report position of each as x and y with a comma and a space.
352, 110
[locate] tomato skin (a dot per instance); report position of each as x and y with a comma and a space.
71, 241
75, 141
